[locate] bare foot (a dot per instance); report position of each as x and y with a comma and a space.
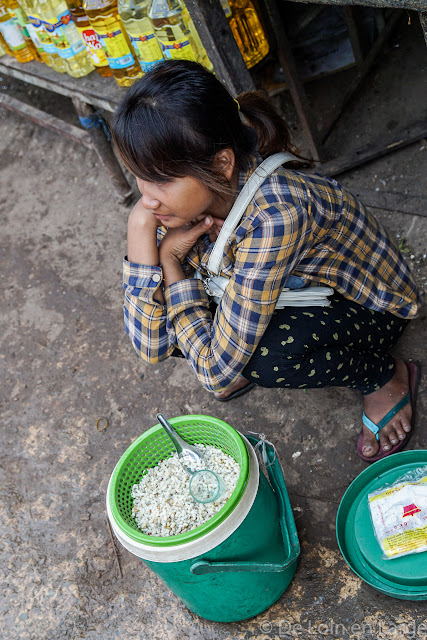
240, 383
379, 403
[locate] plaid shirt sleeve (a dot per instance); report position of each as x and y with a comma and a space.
146, 321
145, 318
218, 349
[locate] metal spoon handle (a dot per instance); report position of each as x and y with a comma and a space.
179, 443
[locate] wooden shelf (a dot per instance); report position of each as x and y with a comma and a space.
103, 93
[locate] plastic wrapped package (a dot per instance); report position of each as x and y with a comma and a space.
399, 514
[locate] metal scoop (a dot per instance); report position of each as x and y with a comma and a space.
189, 456
205, 486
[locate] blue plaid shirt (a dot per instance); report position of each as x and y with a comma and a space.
298, 224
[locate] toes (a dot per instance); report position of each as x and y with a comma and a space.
385, 442
393, 435
406, 424
401, 430
370, 445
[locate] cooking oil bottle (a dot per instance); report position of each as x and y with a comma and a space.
247, 30
176, 39
36, 10
13, 36
35, 33
19, 16
134, 15
202, 56
104, 17
66, 39
89, 37
26, 6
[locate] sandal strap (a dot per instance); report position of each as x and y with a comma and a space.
376, 428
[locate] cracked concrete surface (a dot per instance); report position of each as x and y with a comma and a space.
66, 361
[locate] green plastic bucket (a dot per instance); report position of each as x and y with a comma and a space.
404, 578
242, 560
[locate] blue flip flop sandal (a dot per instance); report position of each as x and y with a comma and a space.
413, 372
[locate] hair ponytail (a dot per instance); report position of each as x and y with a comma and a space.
272, 132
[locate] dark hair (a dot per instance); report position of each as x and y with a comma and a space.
173, 121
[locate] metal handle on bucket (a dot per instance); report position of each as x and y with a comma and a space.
287, 526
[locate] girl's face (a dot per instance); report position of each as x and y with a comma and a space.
182, 200
178, 201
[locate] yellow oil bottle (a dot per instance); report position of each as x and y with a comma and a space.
20, 18
35, 10
134, 15
26, 6
66, 39
176, 39
202, 56
247, 30
89, 37
13, 36
104, 17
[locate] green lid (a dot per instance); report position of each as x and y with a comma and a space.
404, 578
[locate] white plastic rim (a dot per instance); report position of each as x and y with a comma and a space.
207, 542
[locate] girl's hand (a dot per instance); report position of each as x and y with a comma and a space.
142, 236
140, 217
215, 229
178, 241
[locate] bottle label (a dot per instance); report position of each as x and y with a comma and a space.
65, 37
34, 36
44, 35
12, 35
179, 49
147, 49
116, 49
93, 46
18, 17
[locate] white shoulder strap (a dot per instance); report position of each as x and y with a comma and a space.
242, 202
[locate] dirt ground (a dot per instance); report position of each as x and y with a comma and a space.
66, 361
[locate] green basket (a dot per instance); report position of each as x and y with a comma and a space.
150, 449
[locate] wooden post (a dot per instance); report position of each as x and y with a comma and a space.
296, 88
217, 38
105, 153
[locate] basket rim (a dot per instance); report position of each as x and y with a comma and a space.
197, 532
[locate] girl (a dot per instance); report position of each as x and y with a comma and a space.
192, 147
